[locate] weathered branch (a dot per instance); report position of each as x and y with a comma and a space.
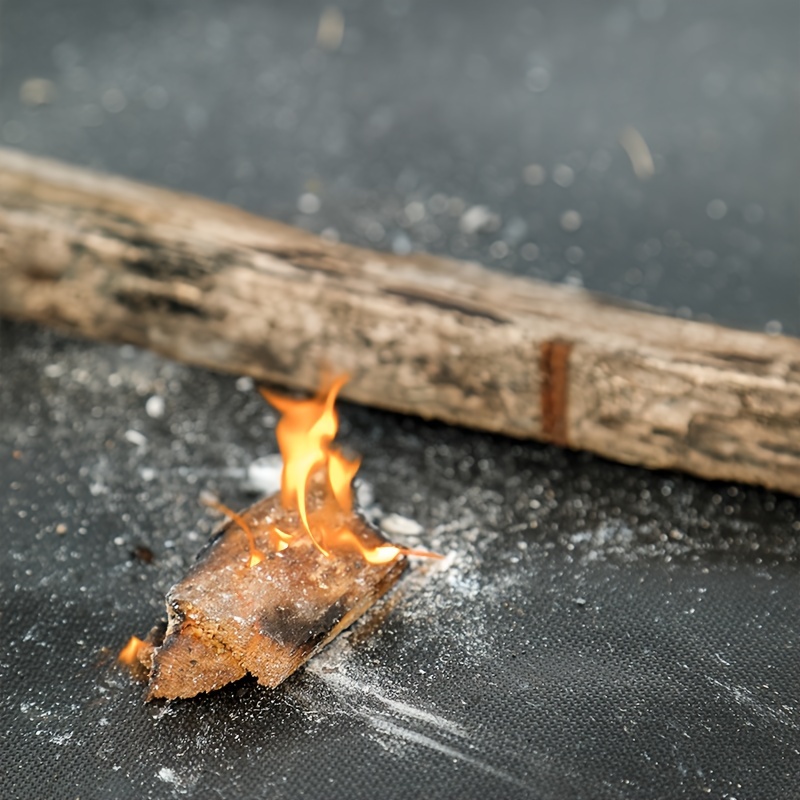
209, 284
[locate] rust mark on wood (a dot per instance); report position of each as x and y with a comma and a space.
554, 366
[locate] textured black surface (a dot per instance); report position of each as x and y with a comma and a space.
597, 631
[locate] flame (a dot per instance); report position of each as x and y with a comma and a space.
129, 655
256, 556
305, 434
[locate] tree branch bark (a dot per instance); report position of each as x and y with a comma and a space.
208, 284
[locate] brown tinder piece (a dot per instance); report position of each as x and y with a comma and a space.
227, 619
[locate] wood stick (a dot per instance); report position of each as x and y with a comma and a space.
209, 284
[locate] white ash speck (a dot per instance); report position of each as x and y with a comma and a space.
537, 79
534, 174
135, 438
401, 245
54, 370
168, 776
477, 219
308, 203
563, 175
397, 525
571, 221
155, 406
244, 384
415, 211
264, 475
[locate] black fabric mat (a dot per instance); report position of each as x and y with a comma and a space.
597, 631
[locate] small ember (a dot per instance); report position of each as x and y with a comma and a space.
129, 655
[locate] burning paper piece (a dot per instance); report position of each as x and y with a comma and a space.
280, 579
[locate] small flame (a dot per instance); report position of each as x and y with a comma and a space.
129, 655
256, 556
305, 436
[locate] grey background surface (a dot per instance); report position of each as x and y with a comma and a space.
599, 631
445, 104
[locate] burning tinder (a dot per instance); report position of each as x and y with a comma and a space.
282, 578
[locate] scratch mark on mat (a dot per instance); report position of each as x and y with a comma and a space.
389, 728
343, 682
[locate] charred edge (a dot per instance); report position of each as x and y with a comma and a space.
448, 305
624, 303
554, 366
41, 273
291, 254
739, 359
142, 303
215, 537
160, 264
287, 628
781, 450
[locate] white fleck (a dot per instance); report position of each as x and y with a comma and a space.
330, 30
537, 79
113, 100
54, 370
415, 211
264, 474
397, 525
717, 209
634, 144
479, 218
498, 249
37, 92
61, 738
534, 174
563, 175
155, 406
134, 437
401, 244
168, 776
365, 495
571, 221
330, 234
773, 327
147, 474
574, 254
244, 384
308, 203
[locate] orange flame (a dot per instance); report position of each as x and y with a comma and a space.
256, 556
130, 653
305, 435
